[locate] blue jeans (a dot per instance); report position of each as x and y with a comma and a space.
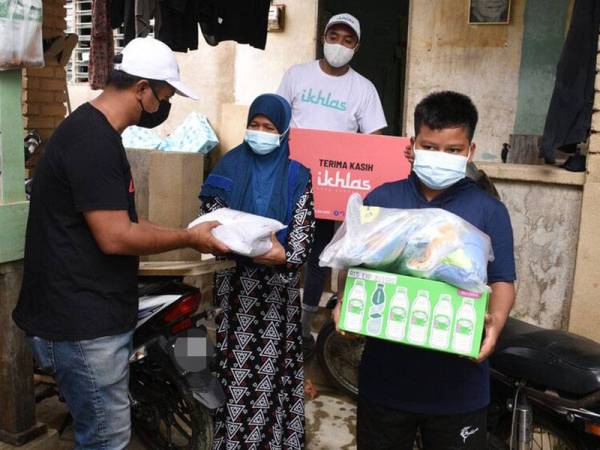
93, 378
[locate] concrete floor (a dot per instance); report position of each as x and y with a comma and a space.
330, 418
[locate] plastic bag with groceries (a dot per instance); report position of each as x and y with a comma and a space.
426, 243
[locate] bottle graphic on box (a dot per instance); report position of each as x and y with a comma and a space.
398, 315
375, 322
355, 309
419, 318
441, 326
464, 329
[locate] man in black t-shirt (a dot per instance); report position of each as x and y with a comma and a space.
78, 300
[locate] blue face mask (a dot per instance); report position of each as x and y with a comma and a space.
262, 143
439, 170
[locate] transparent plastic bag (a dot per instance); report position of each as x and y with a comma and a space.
425, 243
244, 233
21, 31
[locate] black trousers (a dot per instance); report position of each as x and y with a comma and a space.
314, 275
380, 428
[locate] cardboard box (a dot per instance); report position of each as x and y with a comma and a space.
166, 192
423, 313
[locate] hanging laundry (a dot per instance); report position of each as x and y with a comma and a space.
243, 21
179, 24
102, 46
145, 10
570, 111
122, 14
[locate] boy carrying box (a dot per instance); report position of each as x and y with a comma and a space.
402, 388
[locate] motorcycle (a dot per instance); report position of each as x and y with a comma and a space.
545, 385
172, 389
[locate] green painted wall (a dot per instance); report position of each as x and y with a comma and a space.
13, 207
543, 39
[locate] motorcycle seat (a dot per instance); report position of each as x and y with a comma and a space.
553, 359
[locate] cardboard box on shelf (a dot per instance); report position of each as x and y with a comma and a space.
423, 313
166, 192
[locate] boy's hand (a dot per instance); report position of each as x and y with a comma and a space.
492, 331
335, 314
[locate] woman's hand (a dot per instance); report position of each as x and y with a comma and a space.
275, 256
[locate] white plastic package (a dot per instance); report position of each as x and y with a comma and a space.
21, 31
425, 243
244, 233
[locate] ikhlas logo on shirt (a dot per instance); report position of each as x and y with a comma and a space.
320, 99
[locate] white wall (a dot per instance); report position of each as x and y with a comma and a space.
257, 71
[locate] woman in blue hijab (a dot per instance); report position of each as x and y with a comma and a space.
259, 334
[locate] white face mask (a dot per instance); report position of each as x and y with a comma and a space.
262, 143
337, 55
439, 170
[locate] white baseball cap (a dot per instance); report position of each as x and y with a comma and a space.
346, 19
152, 59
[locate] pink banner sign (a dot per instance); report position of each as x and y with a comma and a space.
345, 163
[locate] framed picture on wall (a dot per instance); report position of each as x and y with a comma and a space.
489, 12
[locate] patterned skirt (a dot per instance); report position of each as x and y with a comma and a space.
260, 360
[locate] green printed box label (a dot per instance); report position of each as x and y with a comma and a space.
413, 311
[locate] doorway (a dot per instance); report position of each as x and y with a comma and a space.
382, 54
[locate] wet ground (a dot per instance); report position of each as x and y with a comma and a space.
330, 418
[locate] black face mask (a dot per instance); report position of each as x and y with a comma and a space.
151, 120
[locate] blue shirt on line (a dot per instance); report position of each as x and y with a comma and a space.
410, 379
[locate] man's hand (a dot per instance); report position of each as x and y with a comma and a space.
275, 256
202, 239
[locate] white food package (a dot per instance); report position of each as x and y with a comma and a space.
244, 233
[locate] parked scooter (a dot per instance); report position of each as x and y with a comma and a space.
173, 391
545, 385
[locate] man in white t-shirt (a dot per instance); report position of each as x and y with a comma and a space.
327, 94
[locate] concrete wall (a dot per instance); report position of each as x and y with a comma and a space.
483, 61
545, 204
233, 73
545, 219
